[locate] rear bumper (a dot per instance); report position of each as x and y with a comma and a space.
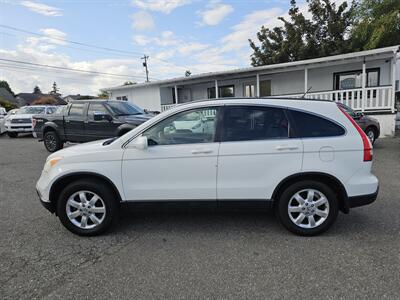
362, 200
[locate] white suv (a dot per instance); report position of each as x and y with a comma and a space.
307, 158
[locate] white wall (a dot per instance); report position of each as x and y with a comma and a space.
387, 123
145, 97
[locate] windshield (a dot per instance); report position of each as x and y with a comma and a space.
348, 110
32, 110
124, 108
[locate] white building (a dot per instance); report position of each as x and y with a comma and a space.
365, 81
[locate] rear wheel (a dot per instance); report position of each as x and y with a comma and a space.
12, 135
87, 207
371, 134
52, 141
307, 208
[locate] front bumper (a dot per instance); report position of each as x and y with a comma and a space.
362, 200
48, 205
18, 128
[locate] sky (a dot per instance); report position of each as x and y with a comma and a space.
107, 38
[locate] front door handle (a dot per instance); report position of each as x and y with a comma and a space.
201, 151
286, 147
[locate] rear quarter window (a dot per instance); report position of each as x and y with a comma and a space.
309, 125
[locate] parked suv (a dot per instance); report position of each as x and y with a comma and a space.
307, 158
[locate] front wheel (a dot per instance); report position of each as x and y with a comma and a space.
52, 141
87, 207
308, 208
12, 135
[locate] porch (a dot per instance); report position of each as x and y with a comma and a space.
364, 83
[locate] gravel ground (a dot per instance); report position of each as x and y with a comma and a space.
194, 254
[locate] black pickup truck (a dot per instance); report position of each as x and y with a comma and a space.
87, 120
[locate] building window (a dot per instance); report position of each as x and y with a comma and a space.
353, 79
225, 91
123, 98
265, 88
249, 90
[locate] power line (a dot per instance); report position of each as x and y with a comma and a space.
71, 69
120, 52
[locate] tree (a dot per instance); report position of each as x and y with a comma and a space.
188, 73
377, 24
301, 38
4, 84
103, 95
37, 90
55, 89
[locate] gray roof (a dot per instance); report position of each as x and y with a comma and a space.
388, 51
7, 95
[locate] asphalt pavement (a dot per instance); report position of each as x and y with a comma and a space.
191, 254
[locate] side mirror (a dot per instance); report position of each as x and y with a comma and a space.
358, 115
99, 116
139, 143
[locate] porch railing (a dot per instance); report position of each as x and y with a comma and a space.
376, 98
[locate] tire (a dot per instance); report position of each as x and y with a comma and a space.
106, 207
12, 135
371, 134
52, 141
324, 213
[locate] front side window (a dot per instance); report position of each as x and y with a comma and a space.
254, 123
309, 125
96, 108
76, 110
189, 127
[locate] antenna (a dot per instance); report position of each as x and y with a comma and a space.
306, 92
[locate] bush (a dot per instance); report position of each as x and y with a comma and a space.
7, 104
45, 100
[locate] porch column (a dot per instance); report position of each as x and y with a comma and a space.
216, 89
176, 94
363, 84
393, 96
305, 80
258, 86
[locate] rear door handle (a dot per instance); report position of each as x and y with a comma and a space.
285, 147
201, 151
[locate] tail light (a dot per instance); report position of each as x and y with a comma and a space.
366, 142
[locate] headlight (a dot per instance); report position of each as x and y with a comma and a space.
51, 163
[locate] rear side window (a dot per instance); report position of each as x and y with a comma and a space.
254, 123
76, 109
309, 125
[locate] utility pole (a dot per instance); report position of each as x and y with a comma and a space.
145, 58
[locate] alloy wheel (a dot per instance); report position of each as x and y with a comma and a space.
308, 208
85, 209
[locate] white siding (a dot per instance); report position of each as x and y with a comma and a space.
145, 97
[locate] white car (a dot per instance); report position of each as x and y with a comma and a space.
306, 158
21, 121
3, 114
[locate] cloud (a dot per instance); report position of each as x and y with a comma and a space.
42, 9
164, 6
142, 21
215, 13
249, 26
